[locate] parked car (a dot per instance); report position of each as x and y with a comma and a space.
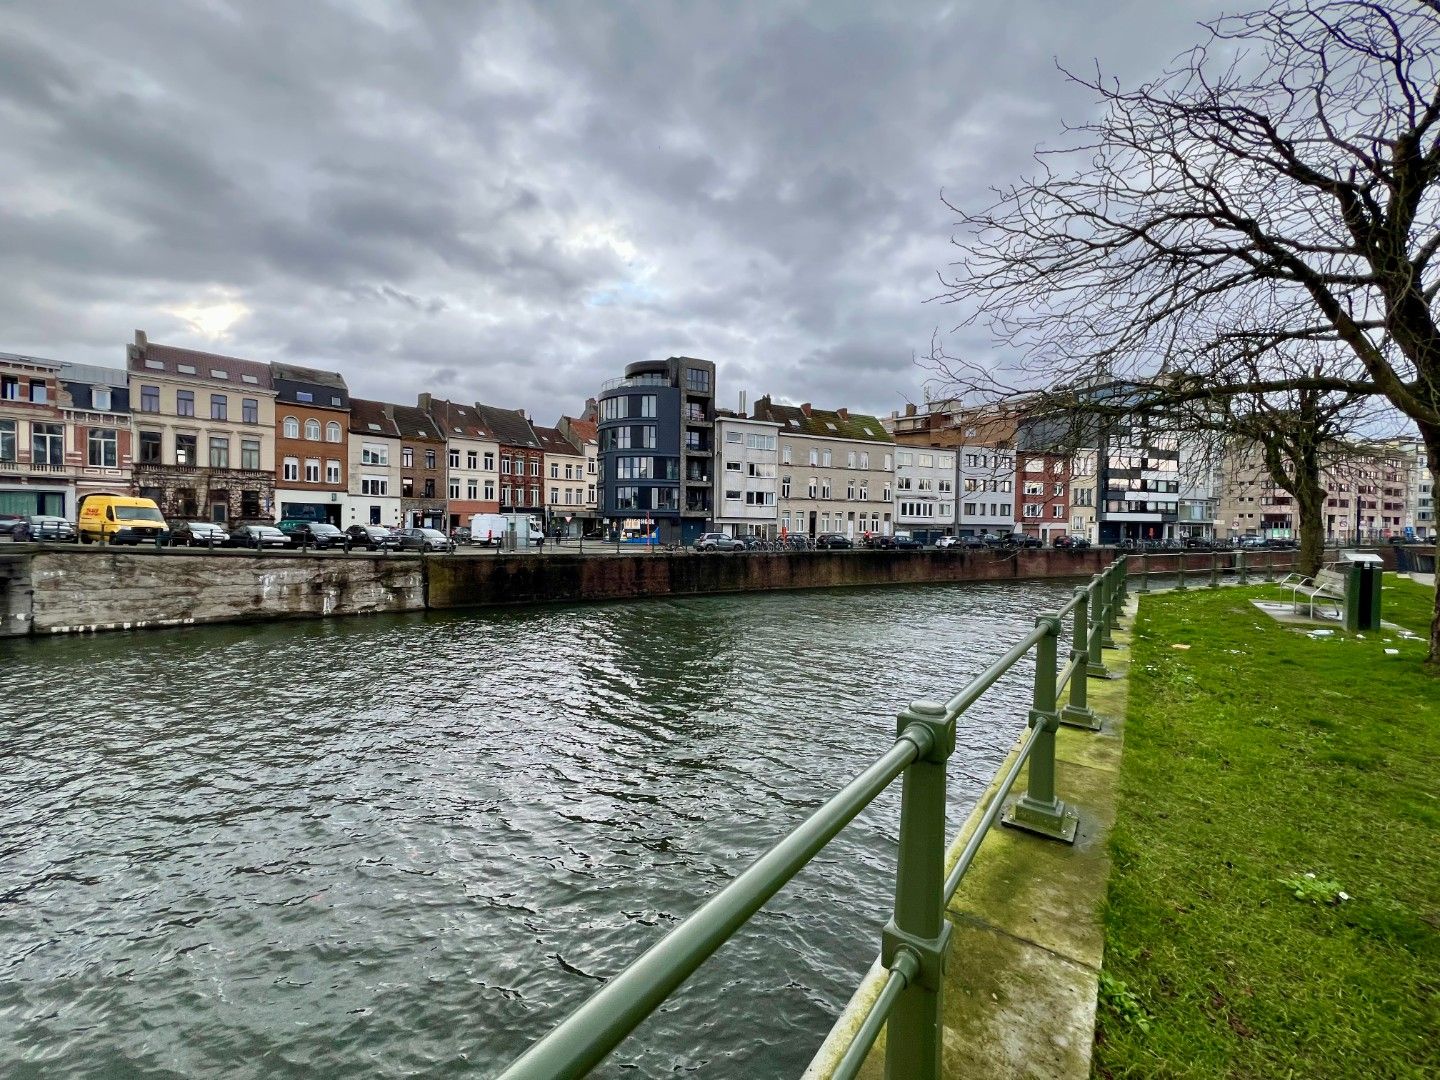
903, 540
198, 534
879, 541
1281, 543
973, 543
994, 539
372, 537
8, 522
257, 536
834, 541
425, 540
1248, 542
1022, 540
947, 541
313, 534
460, 535
44, 527
715, 541
1071, 543
1198, 543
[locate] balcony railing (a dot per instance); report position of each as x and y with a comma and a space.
31, 467
635, 380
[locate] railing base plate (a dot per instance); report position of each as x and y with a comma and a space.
1080, 718
1060, 827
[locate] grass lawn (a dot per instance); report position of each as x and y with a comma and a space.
1253, 759
1407, 603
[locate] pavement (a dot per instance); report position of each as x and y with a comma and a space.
1023, 965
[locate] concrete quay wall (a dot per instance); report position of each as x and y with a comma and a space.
47, 589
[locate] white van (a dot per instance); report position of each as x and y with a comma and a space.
490, 529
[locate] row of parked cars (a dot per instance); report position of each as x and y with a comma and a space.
833, 541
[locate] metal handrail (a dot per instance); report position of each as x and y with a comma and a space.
915, 939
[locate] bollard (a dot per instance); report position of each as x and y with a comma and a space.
1039, 810
919, 926
1214, 570
1242, 572
1077, 711
1094, 658
1144, 573
1180, 585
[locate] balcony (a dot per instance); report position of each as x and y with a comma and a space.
626, 381
28, 467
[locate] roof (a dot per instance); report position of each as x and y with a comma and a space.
30, 361
553, 441
510, 426
414, 423
293, 373
587, 431
454, 419
94, 375
191, 363
369, 418
822, 423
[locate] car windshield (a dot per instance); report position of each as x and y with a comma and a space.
432, 532
323, 528
138, 513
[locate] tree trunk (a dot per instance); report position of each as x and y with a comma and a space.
1310, 501
1431, 434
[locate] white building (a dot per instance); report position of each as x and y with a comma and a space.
987, 490
375, 483
748, 457
924, 493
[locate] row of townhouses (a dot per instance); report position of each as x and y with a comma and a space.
231, 440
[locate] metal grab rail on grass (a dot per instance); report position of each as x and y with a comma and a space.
913, 943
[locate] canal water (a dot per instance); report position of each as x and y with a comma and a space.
409, 845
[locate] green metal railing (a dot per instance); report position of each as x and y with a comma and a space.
1240, 563
913, 942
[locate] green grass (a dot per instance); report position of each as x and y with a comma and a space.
1253, 759
1407, 603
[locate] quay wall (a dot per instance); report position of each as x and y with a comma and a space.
47, 589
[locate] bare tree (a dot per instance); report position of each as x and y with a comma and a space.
1279, 184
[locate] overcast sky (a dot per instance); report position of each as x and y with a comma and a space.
509, 202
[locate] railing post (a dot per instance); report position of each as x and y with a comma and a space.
1094, 658
1242, 571
1270, 566
1144, 572
1180, 585
1039, 810
1107, 606
1117, 593
1214, 570
1077, 711
915, 1032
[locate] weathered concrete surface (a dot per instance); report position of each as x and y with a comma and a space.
80, 590
16, 602
1025, 953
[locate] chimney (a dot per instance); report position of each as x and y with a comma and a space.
424, 401
742, 404
805, 409
843, 413
910, 408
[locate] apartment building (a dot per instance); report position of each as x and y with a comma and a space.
836, 470
1043, 481
522, 460
564, 481
1084, 482
924, 492
35, 474
987, 489
746, 475
422, 468
472, 460
95, 402
312, 418
204, 432
585, 433
374, 465
657, 450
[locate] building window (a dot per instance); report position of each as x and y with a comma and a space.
39, 393
535, 468
647, 405
332, 431
374, 485
430, 460
332, 471
407, 457
250, 410
9, 388
304, 396
102, 449
813, 488
312, 429
185, 403
250, 453
555, 471
864, 491
150, 442
555, 496
374, 454
429, 490
489, 490
453, 457
472, 488
149, 399
219, 407
187, 449
291, 469
291, 427
697, 379
7, 440
100, 398
312, 470
825, 488
47, 444
454, 487
219, 452
472, 459
488, 462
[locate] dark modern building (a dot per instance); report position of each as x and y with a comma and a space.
657, 449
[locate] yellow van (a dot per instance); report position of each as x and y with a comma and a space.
120, 519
